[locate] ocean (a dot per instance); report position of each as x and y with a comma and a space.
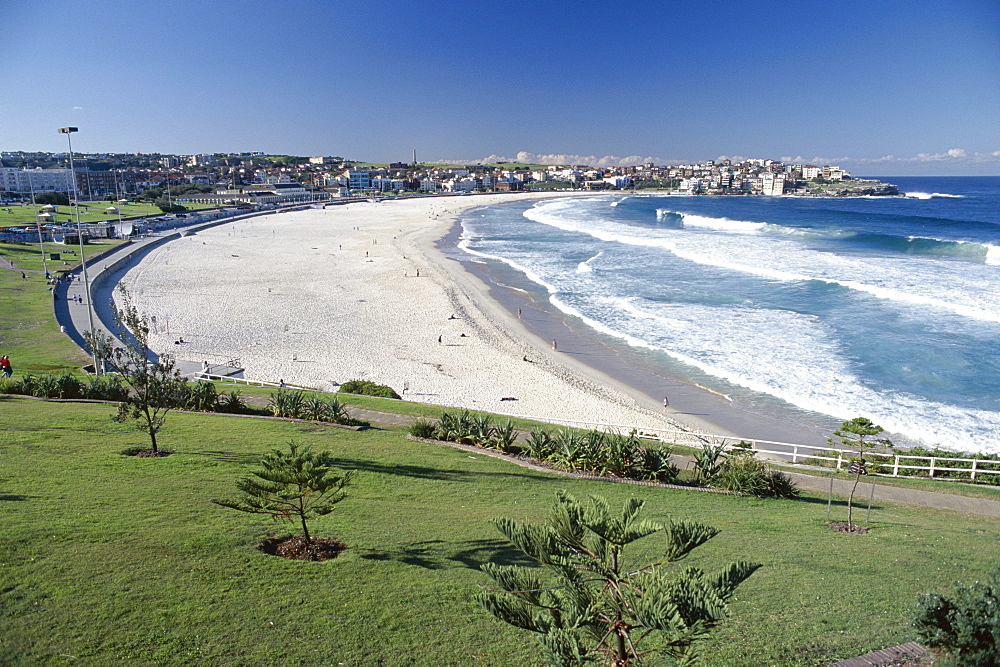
820, 309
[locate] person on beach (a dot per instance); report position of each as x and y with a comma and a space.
439, 340
5, 366
554, 346
518, 313
666, 403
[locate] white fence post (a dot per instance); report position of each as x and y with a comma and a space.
895, 467
932, 467
973, 471
840, 459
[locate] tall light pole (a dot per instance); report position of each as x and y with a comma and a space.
79, 231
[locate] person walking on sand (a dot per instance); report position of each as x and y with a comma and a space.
555, 347
666, 403
439, 339
5, 366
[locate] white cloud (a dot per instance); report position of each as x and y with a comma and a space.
952, 156
567, 158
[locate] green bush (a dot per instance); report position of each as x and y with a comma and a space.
201, 396
745, 473
295, 405
366, 388
106, 388
422, 428
967, 624
231, 402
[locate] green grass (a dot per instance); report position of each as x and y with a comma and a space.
108, 558
28, 331
91, 211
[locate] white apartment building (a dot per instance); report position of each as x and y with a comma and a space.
772, 184
24, 181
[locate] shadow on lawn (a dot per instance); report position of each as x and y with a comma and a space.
230, 457
15, 497
425, 472
441, 555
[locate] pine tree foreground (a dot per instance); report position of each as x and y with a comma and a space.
297, 485
596, 606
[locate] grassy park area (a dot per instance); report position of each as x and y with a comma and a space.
90, 211
110, 558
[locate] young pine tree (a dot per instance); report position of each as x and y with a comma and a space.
596, 605
859, 433
294, 486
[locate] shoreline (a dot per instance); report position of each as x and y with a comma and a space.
296, 305
613, 363
358, 292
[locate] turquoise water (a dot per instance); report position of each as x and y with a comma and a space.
887, 308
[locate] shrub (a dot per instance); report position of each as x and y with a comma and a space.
654, 464
745, 473
708, 463
503, 437
539, 445
423, 429
201, 396
106, 388
289, 404
366, 388
967, 624
231, 402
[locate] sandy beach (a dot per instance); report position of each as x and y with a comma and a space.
359, 291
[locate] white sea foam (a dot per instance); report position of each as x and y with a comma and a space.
585, 267
807, 369
906, 280
932, 195
724, 224
992, 254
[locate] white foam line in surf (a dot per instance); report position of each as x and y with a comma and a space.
531, 275
888, 294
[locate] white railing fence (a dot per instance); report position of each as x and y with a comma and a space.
883, 464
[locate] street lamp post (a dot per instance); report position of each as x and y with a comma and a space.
79, 231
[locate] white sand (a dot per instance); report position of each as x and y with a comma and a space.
319, 297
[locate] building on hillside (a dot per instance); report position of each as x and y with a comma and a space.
772, 184
24, 181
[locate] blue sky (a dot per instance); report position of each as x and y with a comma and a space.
879, 87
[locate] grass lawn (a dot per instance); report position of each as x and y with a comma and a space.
90, 211
108, 558
29, 334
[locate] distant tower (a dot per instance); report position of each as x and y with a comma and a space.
414, 157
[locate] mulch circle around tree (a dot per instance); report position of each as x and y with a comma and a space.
145, 453
844, 527
297, 548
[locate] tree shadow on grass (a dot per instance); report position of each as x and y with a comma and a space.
426, 472
442, 555
15, 497
230, 457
